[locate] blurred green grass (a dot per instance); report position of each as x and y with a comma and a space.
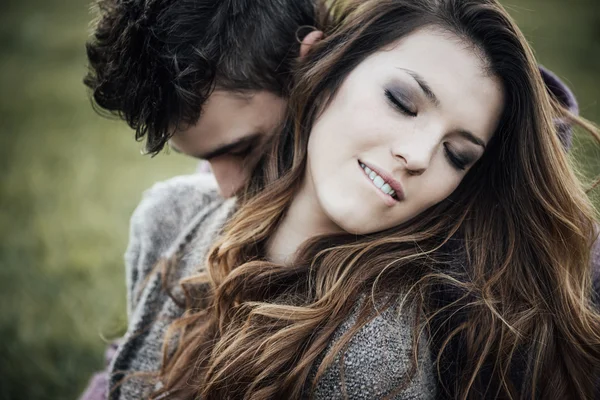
73, 178
71, 181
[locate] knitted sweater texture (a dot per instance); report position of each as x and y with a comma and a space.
185, 216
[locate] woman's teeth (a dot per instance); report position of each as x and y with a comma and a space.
378, 181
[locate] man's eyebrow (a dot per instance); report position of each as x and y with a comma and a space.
243, 95
423, 85
229, 147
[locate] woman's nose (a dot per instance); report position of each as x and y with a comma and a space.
415, 155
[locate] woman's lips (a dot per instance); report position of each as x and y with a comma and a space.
383, 180
381, 186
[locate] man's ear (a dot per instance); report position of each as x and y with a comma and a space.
308, 42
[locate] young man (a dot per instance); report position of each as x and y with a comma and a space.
208, 76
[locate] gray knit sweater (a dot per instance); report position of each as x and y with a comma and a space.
185, 215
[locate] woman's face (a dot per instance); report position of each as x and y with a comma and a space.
404, 128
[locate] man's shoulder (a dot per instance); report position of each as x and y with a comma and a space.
165, 213
177, 191
177, 198
168, 206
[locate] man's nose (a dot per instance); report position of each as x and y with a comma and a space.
229, 173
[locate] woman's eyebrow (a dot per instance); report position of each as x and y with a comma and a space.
471, 137
423, 85
436, 102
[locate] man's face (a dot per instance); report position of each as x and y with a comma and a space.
230, 132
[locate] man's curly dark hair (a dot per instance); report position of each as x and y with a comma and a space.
154, 63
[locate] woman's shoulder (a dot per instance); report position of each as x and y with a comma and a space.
379, 357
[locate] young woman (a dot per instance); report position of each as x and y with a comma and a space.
416, 232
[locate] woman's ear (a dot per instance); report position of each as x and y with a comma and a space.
308, 42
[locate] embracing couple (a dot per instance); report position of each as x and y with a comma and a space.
390, 213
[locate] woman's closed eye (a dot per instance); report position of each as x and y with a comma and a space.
399, 105
457, 160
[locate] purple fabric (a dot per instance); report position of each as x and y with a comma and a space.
595, 258
97, 388
564, 95
203, 167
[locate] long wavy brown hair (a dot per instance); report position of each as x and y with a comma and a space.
499, 271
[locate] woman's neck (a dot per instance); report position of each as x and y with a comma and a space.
303, 220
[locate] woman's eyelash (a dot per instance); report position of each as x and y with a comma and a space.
458, 162
398, 104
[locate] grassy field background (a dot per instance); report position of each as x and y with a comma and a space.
71, 179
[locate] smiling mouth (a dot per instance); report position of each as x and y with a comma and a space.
379, 182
